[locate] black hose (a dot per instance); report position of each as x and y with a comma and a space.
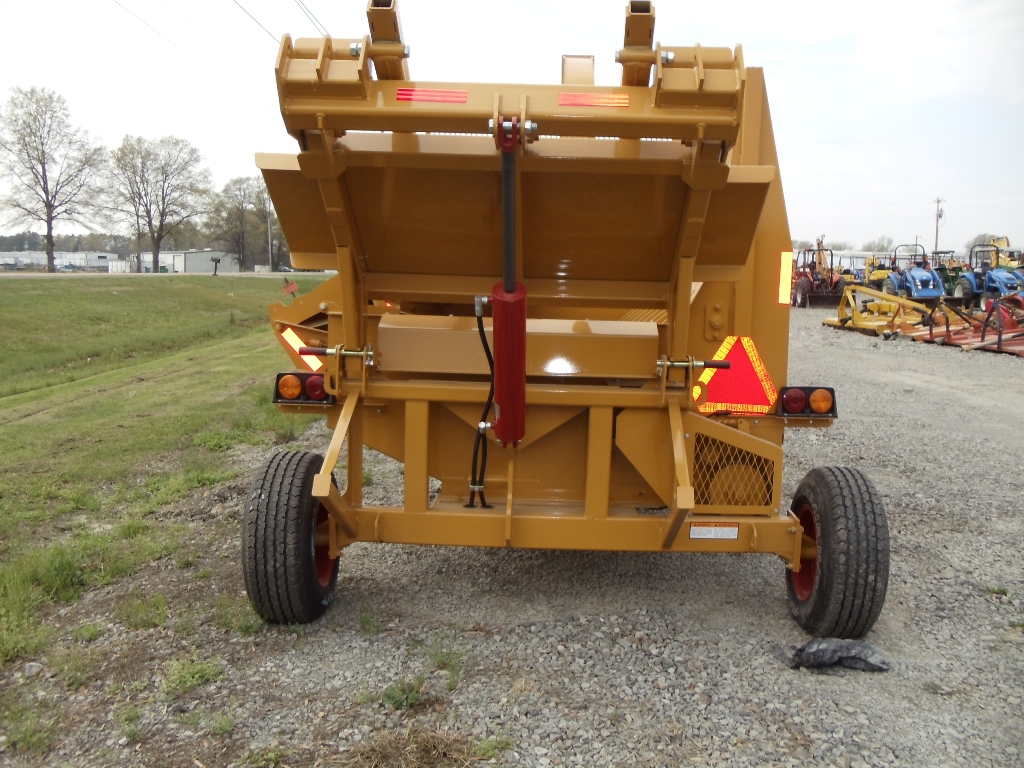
480, 436
477, 480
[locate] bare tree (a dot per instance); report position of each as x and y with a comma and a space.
881, 244
128, 177
233, 222
982, 239
157, 187
50, 164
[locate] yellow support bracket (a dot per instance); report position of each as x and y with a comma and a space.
683, 500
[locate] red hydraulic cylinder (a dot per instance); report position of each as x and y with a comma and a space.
509, 363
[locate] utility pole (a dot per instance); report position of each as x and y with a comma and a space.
939, 213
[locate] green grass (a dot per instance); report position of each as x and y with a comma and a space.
405, 694
222, 725
235, 612
142, 612
369, 624
118, 396
86, 633
130, 718
997, 591
182, 676
488, 749
446, 655
29, 726
107, 323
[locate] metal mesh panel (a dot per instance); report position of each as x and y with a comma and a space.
726, 475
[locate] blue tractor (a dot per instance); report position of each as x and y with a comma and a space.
912, 275
985, 279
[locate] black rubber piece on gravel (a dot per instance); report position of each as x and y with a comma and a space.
853, 554
278, 529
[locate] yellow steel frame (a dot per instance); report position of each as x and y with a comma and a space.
678, 169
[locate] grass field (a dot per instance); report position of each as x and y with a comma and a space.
119, 395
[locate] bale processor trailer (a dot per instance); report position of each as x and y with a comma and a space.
568, 303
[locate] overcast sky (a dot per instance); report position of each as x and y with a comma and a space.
879, 107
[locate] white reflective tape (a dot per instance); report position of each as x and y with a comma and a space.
290, 336
785, 277
714, 530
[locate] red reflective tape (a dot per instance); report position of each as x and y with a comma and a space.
436, 95
593, 99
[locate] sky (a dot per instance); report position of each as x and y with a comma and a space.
878, 107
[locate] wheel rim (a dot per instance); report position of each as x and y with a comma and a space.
805, 579
323, 563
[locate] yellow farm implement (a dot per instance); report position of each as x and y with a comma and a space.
568, 303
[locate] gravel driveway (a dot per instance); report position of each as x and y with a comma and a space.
590, 659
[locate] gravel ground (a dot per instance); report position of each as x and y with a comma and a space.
618, 658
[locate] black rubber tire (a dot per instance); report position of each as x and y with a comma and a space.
840, 286
851, 573
889, 288
801, 291
966, 290
279, 556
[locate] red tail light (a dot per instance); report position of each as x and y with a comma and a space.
808, 401
794, 400
314, 388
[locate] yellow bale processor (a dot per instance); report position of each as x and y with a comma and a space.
567, 303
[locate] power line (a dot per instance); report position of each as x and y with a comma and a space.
143, 21
253, 18
312, 18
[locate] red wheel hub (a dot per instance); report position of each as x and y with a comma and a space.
805, 579
322, 560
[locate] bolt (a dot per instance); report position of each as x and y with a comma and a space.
406, 51
323, 305
355, 50
617, 56
530, 127
667, 57
687, 436
490, 125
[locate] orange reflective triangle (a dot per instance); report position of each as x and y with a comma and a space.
744, 387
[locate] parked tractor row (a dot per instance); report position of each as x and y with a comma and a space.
989, 272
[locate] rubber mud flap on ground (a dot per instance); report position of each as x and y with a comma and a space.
833, 651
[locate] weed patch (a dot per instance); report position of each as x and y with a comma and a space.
142, 612
369, 624
129, 718
405, 694
221, 725
182, 676
77, 665
235, 613
86, 633
491, 748
29, 726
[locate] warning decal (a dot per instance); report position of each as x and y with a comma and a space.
714, 530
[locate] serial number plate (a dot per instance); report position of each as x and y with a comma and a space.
714, 530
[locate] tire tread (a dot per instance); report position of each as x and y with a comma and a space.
274, 537
854, 538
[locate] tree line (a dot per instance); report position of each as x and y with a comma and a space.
152, 194
882, 244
